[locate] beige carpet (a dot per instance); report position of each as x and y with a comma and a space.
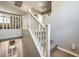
59, 53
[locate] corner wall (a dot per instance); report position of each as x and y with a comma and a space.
65, 24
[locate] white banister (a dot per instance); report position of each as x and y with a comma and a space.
3, 23
40, 34
49, 30
12, 22
37, 19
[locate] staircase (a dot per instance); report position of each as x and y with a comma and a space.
40, 34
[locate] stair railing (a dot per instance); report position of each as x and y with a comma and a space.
10, 21
40, 34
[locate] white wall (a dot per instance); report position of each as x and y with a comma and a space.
65, 24
25, 21
29, 47
10, 33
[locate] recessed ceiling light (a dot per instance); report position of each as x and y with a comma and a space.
40, 4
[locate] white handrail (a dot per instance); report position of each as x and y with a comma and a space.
49, 30
36, 43
37, 19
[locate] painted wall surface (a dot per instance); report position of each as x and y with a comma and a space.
25, 21
29, 47
65, 24
10, 33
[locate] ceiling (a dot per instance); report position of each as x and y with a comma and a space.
41, 6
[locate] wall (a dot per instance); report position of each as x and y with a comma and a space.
25, 21
65, 24
29, 47
10, 33
3, 48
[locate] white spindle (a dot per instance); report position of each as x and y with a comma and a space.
49, 29
15, 21
20, 22
42, 37
10, 23
6, 24
3, 23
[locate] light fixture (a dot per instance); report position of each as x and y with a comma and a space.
40, 4
29, 10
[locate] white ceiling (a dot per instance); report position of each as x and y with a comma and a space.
25, 6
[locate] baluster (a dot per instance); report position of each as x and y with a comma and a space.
42, 41
15, 21
20, 22
37, 36
3, 23
6, 23
39, 40
11, 21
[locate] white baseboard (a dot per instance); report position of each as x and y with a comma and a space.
69, 52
